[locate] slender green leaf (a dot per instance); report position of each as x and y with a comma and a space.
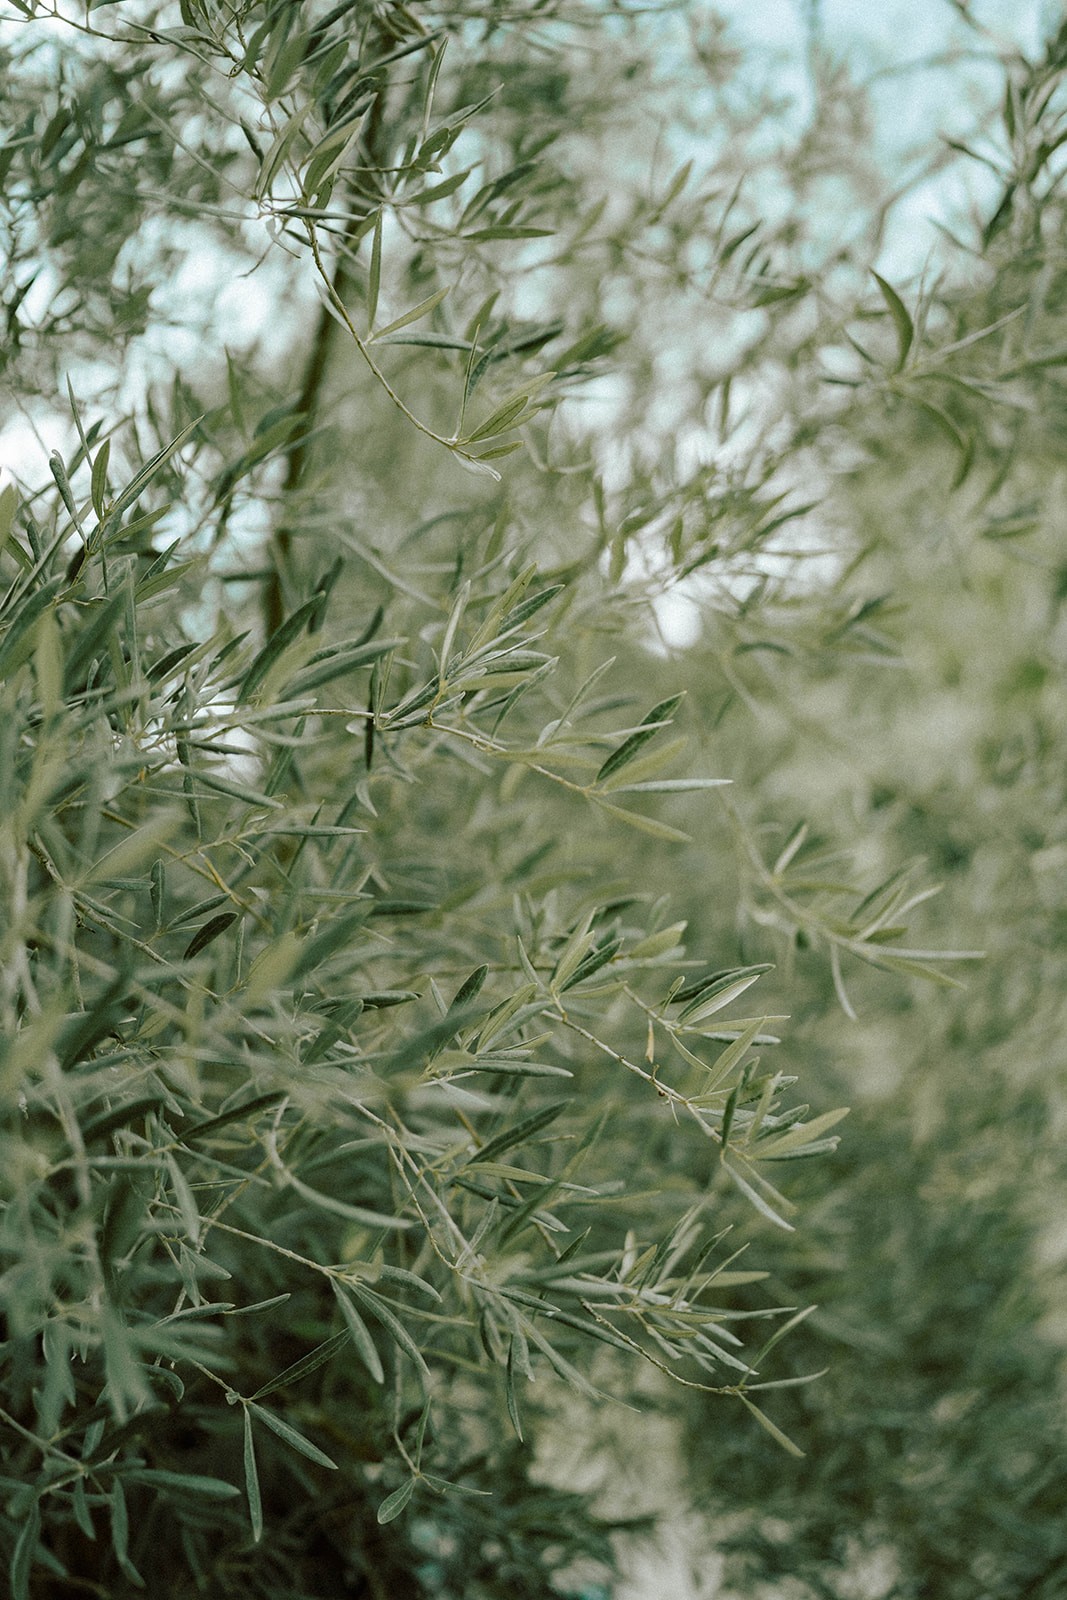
901, 318
279, 641
252, 1494
394, 1503
239, 1113
772, 1428
702, 999
509, 1390
301, 1369
120, 1533
184, 1483
392, 1324
755, 1198
25, 1549
291, 1436
671, 786
361, 1336
210, 931
518, 1133
137, 486
650, 825
9, 500
237, 791
801, 1134
659, 717
99, 480
374, 276
423, 309
439, 191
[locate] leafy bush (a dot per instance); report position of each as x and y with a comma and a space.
326, 991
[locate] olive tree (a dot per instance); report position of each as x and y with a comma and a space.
376, 911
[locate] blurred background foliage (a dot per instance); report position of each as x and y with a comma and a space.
436, 394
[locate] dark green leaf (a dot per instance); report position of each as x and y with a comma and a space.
121, 1116
901, 317
509, 1389
99, 479
238, 1113
120, 1534
252, 1494
518, 1133
306, 1365
211, 930
659, 717
22, 1556
470, 988
374, 277
184, 1483
279, 641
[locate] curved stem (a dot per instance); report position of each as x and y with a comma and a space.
470, 461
